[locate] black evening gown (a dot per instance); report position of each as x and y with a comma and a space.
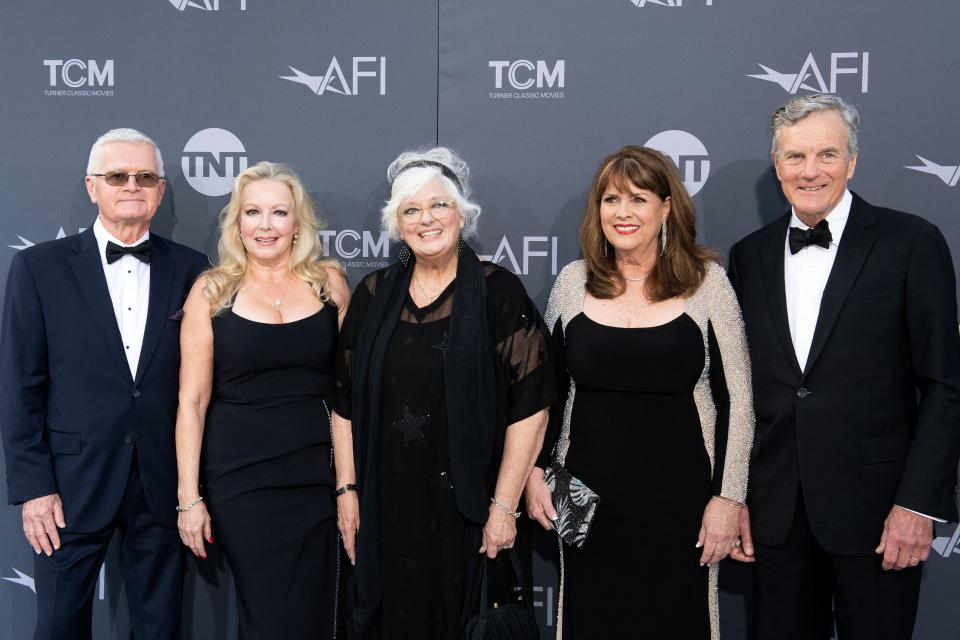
635, 439
266, 471
423, 536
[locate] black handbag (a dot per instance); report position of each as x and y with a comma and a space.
503, 621
575, 502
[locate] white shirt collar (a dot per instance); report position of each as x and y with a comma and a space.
837, 217
103, 236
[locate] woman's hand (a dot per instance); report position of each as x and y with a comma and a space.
539, 500
194, 526
348, 520
719, 532
500, 532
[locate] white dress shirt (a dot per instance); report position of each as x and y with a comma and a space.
128, 280
805, 276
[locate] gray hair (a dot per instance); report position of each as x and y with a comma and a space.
802, 106
404, 183
120, 135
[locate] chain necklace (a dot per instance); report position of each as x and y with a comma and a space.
276, 303
640, 279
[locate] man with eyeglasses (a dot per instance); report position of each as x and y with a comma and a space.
851, 318
89, 365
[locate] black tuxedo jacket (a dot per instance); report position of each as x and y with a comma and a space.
874, 420
72, 416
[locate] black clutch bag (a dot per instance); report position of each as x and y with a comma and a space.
575, 502
503, 621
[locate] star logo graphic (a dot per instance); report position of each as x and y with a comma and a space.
24, 243
22, 579
948, 545
949, 174
321, 84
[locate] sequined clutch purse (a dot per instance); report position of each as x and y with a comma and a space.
575, 502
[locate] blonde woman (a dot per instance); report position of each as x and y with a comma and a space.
258, 341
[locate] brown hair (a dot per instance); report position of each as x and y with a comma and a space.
682, 267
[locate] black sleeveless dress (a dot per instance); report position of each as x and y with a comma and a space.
266, 471
635, 439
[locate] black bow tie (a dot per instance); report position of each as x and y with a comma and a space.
141, 252
820, 235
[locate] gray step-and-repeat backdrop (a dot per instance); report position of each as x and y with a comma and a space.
533, 94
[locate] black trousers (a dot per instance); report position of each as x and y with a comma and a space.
800, 588
152, 571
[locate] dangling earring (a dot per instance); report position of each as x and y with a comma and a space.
460, 245
296, 236
604, 248
663, 238
404, 254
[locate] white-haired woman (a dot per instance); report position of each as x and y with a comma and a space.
443, 386
258, 340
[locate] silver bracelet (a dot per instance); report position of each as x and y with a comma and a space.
189, 506
504, 508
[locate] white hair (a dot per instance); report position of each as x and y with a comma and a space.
802, 106
405, 183
120, 135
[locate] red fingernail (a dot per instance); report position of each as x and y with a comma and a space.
210, 539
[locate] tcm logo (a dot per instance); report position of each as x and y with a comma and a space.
523, 75
811, 78
665, 3
212, 159
949, 174
688, 153
77, 77
335, 81
358, 249
203, 5
948, 545
541, 248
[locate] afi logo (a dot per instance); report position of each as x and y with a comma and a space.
532, 247
78, 73
212, 159
24, 580
203, 5
523, 74
810, 78
948, 545
665, 3
349, 244
949, 174
688, 153
24, 243
335, 81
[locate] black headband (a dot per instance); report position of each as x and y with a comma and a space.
444, 169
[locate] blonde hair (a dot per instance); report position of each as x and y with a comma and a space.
307, 263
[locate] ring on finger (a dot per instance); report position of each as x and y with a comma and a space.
737, 542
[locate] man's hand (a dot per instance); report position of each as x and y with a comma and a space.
41, 517
906, 538
744, 553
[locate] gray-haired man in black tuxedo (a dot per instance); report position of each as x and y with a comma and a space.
851, 318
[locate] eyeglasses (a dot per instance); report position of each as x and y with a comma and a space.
439, 210
119, 178
824, 157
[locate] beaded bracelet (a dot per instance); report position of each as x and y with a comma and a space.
189, 506
729, 502
504, 508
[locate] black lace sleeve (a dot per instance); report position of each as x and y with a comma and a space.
340, 398
520, 339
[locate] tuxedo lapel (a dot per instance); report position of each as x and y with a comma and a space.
88, 270
771, 264
855, 243
161, 284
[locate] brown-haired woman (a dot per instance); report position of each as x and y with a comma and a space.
649, 331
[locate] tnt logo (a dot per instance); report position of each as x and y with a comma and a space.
212, 159
335, 81
811, 78
524, 74
202, 5
688, 153
76, 73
